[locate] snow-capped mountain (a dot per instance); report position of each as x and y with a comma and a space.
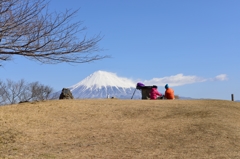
102, 84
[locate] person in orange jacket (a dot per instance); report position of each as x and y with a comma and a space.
169, 93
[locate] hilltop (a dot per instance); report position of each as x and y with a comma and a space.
112, 128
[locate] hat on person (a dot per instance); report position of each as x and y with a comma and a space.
166, 86
154, 86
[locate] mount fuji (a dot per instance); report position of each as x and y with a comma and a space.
102, 84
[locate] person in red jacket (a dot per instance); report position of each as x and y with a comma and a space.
154, 94
169, 93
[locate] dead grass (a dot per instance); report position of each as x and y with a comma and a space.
111, 129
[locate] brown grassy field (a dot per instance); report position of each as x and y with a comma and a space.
121, 129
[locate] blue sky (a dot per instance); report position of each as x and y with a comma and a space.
192, 45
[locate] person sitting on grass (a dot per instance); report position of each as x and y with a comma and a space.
169, 93
154, 94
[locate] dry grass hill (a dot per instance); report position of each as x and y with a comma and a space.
121, 129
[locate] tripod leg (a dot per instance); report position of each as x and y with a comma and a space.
133, 93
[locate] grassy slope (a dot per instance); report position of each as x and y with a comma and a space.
121, 129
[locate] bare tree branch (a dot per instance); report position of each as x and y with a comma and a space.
28, 29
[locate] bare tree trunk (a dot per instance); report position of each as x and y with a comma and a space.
2, 93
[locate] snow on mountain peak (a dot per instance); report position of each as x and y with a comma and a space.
103, 79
